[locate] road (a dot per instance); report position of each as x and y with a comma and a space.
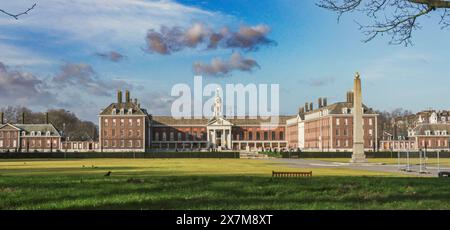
391, 168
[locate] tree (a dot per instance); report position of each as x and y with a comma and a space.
16, 16
396, 18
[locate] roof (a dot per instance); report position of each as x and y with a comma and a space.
169, 120
337, 107
124, 105
43, 128
421, 128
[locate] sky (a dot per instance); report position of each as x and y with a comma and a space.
76, 54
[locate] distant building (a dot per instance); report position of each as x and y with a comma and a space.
427, 130
330, 127
29, 138
123, 126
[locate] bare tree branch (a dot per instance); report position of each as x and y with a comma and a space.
399, 18
16, 16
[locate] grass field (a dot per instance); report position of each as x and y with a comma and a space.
206, 184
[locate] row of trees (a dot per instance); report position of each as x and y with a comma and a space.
65, 121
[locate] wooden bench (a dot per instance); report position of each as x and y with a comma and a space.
291, 174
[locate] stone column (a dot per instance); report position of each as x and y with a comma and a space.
358, 155
229, 139
222, 142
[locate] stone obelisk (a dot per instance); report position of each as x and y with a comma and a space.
358, 155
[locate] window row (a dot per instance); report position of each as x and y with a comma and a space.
121, 133
122, 143
114, 122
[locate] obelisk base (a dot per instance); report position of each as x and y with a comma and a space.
358, 155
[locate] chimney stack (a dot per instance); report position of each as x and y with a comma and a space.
119, 96
1, 118
23, 117
311, 107
324, 102
319, 102
306, 107
46, 118
127, 96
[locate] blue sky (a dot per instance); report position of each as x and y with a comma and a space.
314, 56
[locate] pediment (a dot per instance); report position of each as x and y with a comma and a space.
219, 122
8, 127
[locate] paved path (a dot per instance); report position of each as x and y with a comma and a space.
391, 168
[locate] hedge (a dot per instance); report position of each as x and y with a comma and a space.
119, 155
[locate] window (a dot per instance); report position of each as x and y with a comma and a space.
33, 143
122, 111
171, 136
113, 112
1, 143
130, 143
346, 143
370, 121
114, 122
337, 132
122, 122
371, 143
122, 143
370, 132
266, 136
138, 133
130, 133
122, 133
250, 135
345, 121
281, 135
48, 133
138, 122
444, 132
106, 122
337, 121
138, 143
105, 133
113, 132
194, 135
258, 136
164, 137
179, 136
48, 143
39, 133
273, 135
156, 136
338, 143
345, 132
130, 122
1, 134
114, 143
130, 111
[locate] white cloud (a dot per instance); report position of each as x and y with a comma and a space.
103, 23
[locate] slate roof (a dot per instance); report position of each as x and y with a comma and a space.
43, 128
421, 128
337, 107
124, 105
169, 120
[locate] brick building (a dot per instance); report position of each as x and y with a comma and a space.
429, 130
123, 126
29, 137
330, 127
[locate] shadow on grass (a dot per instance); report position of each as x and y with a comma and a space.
223, 192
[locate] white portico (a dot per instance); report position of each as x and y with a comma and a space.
219, 129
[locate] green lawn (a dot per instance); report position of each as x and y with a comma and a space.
206, 184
